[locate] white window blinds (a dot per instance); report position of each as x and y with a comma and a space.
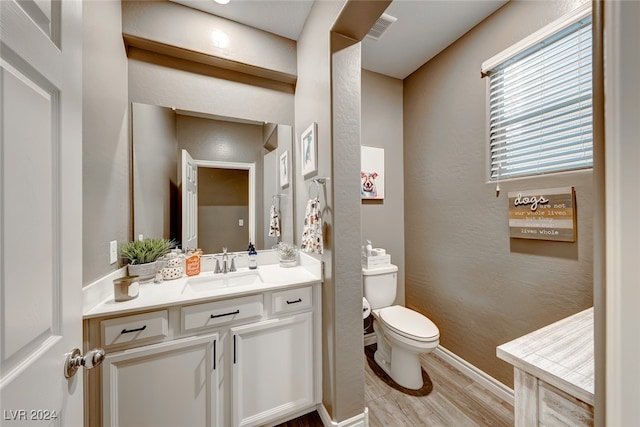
540, 106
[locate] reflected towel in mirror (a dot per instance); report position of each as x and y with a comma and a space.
274, 222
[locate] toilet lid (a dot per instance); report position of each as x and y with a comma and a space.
409, 323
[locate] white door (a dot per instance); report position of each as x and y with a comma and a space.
40, 210
189, 188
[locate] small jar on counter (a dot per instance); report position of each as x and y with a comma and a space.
192, 262
125, 288
173, 265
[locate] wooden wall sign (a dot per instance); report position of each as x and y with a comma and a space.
543, 214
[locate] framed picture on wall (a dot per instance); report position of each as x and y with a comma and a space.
284, 169
372, 173
309, 150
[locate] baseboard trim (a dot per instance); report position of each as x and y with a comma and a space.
360, 420
491, 384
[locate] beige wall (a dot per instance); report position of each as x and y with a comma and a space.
105, 134
462, 270
346, 234
155, 170
313, 104
383, 220
328, 92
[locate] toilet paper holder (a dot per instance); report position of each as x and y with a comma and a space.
366, 308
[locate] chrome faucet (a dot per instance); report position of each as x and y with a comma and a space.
217, 269
226, 266
232, 268
225, 260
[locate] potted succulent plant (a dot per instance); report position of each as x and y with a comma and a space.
143, 256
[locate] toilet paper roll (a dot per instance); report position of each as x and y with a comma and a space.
366, 308
380, 251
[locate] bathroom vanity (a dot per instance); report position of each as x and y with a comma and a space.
554, 373
236, 349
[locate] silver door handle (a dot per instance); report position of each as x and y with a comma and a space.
75, 359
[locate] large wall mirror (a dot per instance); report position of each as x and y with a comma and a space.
237, 177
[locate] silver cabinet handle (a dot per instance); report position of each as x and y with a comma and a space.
75, 359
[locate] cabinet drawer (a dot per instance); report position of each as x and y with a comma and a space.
291, 300
145, 327
219, 312
557, 408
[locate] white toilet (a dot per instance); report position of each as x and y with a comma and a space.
401, 333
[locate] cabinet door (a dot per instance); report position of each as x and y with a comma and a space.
272, 373
169, 384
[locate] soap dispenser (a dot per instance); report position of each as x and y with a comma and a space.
253, 257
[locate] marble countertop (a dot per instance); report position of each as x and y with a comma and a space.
561, 354
98, 298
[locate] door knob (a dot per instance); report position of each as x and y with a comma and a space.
75, 359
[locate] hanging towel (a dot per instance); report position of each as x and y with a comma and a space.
312, 231
274, 222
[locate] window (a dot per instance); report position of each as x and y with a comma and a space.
540, 101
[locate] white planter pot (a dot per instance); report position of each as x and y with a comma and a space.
145, 272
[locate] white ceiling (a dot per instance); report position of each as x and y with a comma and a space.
423, 29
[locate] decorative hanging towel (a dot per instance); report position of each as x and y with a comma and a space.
274, 222
312, 231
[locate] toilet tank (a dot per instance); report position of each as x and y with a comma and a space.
379, 285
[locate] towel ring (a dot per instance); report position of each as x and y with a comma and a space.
317, 182
275, 200
317, 187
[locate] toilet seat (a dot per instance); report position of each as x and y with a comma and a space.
408, 323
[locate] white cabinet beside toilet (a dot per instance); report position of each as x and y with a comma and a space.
243, 361
280, 353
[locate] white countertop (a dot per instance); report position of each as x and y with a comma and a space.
98, 297
561, 354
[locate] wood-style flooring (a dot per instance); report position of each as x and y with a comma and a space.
455, 401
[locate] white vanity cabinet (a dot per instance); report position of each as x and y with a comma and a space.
246, 360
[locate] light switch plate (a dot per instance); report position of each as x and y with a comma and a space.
113, 251
241, 222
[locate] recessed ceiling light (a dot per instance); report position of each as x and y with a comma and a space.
220, 39
221, 1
